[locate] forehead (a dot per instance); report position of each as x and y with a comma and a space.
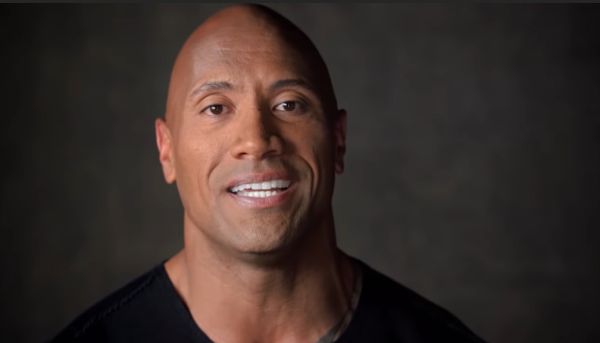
247, 56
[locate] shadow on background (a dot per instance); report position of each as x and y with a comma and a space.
472, 167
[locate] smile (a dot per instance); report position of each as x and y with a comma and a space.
263, 189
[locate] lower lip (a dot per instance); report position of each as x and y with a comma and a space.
266, 202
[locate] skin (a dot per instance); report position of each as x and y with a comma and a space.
244, 105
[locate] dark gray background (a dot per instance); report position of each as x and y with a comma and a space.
472, 167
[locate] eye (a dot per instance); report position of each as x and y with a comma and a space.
289, 106
214, 109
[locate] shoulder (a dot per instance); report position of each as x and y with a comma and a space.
390, 312
120, 306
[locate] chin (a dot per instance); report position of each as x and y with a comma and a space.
263, 238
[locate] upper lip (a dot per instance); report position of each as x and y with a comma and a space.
258, 177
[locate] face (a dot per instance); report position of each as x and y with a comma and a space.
252, 146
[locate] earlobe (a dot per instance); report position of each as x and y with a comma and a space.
165, 149
339, 131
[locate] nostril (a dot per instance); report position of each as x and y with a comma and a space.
257, 147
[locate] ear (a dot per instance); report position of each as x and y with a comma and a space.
339, 133
165, 149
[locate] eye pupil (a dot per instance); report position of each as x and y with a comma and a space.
289, 105
216, 109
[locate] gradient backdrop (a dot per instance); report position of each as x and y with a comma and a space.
472, 169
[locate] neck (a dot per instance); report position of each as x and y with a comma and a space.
296, 297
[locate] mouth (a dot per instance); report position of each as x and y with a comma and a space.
263, 189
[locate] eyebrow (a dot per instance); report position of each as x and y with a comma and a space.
291, 82
224, 85
211, 86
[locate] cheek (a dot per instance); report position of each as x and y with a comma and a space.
313, 145
196, 156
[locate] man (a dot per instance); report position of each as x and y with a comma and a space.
253, 138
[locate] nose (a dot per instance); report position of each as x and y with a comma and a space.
257, 136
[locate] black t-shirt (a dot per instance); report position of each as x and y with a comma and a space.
149, 310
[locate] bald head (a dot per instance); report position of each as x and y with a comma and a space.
228, 36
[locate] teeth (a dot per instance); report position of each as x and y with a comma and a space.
257, 186
257, 194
